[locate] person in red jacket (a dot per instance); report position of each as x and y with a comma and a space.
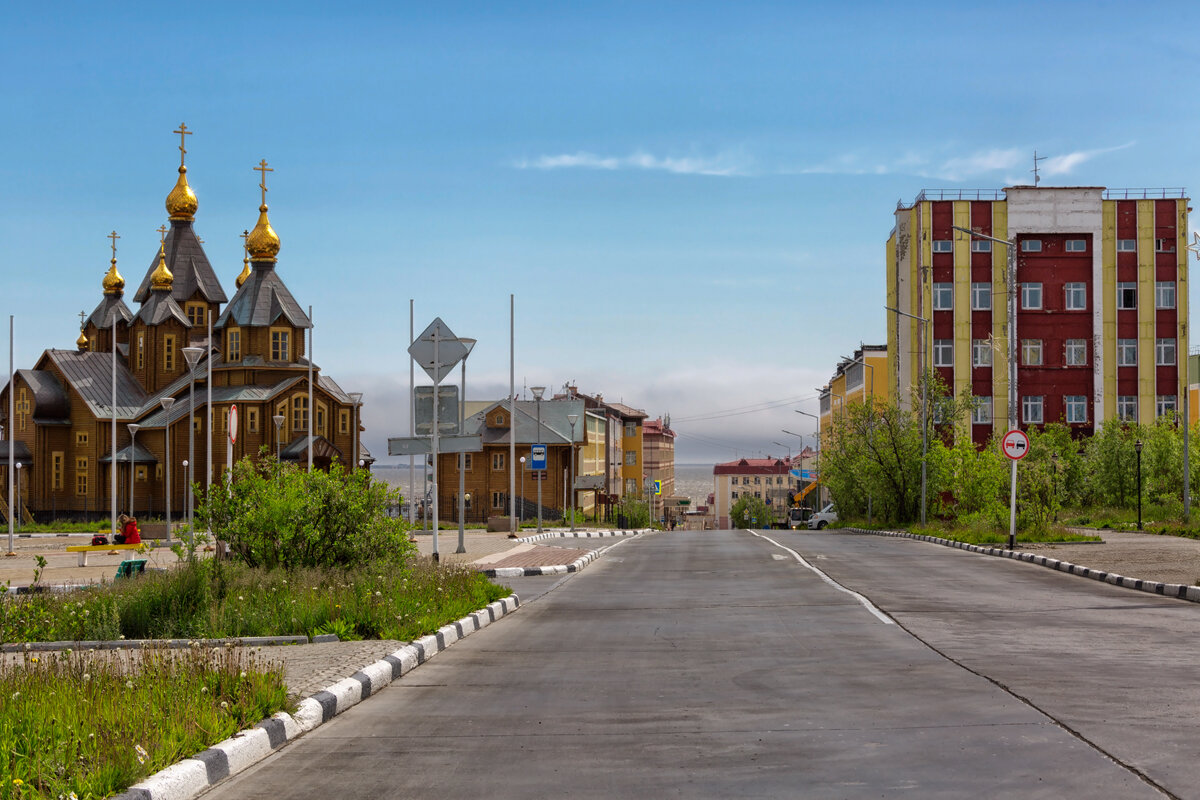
128, 533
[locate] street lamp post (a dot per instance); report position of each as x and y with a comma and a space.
1137, 446
133, 429
356, 399
1054, 484
572, 418
278, 420
538, 391
462, 458
166, 403
15, 507
924, 402
191, 355
817, 460
521, 508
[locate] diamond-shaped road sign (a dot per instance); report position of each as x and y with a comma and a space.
449, 350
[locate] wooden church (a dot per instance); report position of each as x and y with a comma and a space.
137, 371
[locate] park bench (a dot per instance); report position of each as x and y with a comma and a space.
84, 549
130, 567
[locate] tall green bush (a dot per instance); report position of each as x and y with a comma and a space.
751, 512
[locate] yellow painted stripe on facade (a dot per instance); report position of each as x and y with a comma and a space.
923, 269
961, 210
1145, 309
1108, 310
1182, 346
893, 319
1000, 318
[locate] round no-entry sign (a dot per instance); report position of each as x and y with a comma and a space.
233, 424
1015, 445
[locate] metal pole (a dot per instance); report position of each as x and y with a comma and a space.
113, 450
133, 429
538, 391
437, 365
572, 418
512, 415
412, 419
462, 478
1187, 435
1137, 446
312, 409
208, 415
11, 437
191, 457
1012, 508
167, 402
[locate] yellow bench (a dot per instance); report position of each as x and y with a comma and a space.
84, 549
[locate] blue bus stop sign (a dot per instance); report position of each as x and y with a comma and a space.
538, 457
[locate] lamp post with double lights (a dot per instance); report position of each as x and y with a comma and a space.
817, 460
572, 418
538, 391
166, 403
192, 356
133, 429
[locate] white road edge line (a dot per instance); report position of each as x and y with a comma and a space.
867, 604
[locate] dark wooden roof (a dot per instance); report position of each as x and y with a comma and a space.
189, 265
50, 404
262, 300
21, 454
160, 307
111, 305
90, 374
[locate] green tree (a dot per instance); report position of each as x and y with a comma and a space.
750, 512
273, 514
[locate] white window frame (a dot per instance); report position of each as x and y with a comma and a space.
1127, 406
981, 410
1127, 352
981, 353
1126, 245
1164, 403
1031, 296
1032, 354
1075, 408
943, 297
1164, 352
1075, 246
981, 246
1164, 294
1075, 352
943, 352
1032, 409
981, 297
1075, 296
1127, 295
1031, 245
943, 246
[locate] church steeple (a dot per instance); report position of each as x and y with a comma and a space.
181, 202
241, 278
113, 283
96, 332
263, 243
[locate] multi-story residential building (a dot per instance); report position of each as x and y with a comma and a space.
658, 441
1100, 291
766, 478
624, 456
859, 379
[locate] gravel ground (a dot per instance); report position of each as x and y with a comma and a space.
1165, 559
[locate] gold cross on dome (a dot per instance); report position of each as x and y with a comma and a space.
182, 131
264, 169
82, 315
114, 238
162, 234
1195, 245
245, 235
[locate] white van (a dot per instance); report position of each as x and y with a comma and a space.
822, 518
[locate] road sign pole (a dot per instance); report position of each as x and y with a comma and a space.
1012, 509
434, 444
1015, 446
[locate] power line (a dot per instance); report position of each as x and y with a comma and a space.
766, 405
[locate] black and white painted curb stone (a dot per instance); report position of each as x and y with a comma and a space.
560, 569
192, 776
1176, 590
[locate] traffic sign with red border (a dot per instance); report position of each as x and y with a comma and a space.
1015, 445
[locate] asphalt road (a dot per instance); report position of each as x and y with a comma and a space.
714, 664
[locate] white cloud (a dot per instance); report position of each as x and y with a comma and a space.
1062, 165
724, 165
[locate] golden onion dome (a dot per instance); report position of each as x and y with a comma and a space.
162, 279
262, 242
113, 283
181, 202
245, 273
82, 341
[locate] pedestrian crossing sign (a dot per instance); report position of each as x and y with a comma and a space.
658, 487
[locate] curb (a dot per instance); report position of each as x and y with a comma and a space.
193, 776
1176, 590
581, 534
558, 569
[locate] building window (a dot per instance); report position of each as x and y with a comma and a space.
497, 499
1031, 409
981, 246
981, 353
252, 420
943, 296
281, 349
1164, 245
56, 470
497, 462
1164, 404
1126, 245
631, 458
1031, 352
141, 473
1164, 294
1075, 353
943, 246
1164, 352
1075, 296
344, 421
321, 420
158, 472
981, 410
943, 352
81, 439
630, 429
81, 476
745, 480
1127, 407
233, 344
141, 350
195, 314
22, 409
1031, 296
1076, 245
466, 462
1031, 245
196, 427
631, 486
300, 413
981, 297
1126, 352
169, 353
734, 495
1076, 405
756, 480
1126, 296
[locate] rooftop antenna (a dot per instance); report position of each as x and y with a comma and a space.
1036, 158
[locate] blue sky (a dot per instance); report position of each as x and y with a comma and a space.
689, 200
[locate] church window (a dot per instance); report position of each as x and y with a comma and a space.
56, 470
300, 413
343, 421
497, 499
321, 419
252, 420
280, 345
196, 426
141, 350
196, 314
169, 353
233, 344
81, 439
497, 461
141, 473
22, 408
81, 476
